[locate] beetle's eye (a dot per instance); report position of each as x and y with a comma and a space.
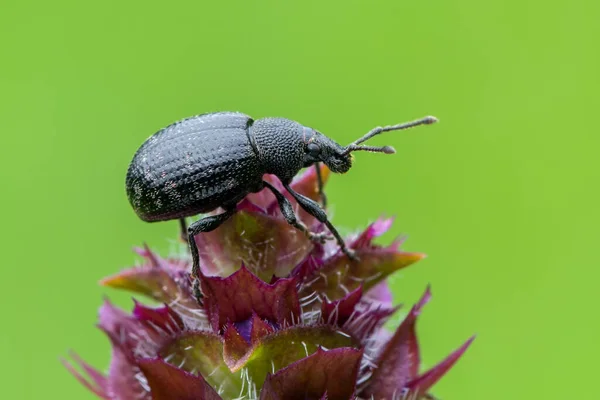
313, 149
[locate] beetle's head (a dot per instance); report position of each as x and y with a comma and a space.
318, 147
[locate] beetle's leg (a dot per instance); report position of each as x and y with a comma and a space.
320, 184
205, 224
183, 229
288, 213
311, 207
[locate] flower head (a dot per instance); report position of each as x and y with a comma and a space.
281, 317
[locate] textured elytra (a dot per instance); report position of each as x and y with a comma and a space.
193, 166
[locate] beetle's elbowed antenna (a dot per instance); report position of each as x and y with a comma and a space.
354, 146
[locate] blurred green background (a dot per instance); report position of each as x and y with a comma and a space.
502, 194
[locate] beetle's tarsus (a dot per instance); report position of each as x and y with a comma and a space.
197, 291
321, 237
351, 254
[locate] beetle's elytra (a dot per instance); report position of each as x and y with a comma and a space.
214, 160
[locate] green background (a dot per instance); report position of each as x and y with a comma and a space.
502, 194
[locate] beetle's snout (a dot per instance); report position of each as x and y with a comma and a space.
338, 162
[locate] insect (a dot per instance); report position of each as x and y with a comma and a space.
214, 160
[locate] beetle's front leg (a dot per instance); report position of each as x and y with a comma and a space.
288, 213
205, 224
313, 208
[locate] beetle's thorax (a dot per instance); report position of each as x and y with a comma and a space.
280, 146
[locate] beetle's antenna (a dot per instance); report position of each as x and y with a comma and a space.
376, 131
373, 149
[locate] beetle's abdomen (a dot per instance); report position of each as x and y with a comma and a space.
192, 167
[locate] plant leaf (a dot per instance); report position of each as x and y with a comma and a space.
324, 374
168, 382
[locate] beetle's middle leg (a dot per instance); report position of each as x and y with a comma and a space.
320, 184
183, 230
288, 213
313, 208
205, 224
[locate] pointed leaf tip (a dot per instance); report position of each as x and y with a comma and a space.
338, 275
425, 298
235, 348
339, 311
95, 382
398, 363
149, 255
170, 285
374, 230
259, 329
420, 385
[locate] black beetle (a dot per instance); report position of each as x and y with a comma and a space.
214, 160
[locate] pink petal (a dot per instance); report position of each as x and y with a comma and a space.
373, 231
380, 295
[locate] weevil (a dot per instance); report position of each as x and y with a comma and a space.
214, 160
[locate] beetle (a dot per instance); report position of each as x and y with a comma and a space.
213, 160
